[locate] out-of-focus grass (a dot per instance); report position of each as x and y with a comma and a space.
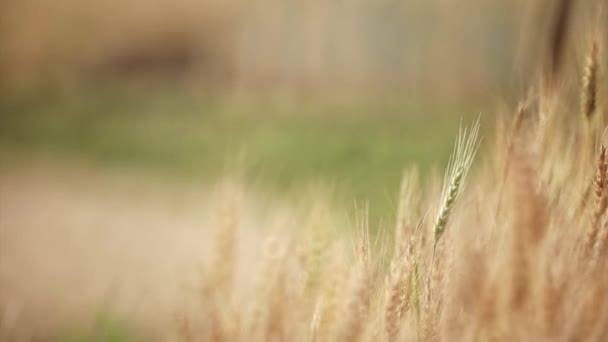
361, 146
106, 329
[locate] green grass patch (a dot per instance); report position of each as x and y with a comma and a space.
359, 146
106, 329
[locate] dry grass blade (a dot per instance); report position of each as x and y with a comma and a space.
558, 37
399, 287
529, 226
515, 128
600, 186
589, 89
327, 308
226, 225
357, 309
408, 200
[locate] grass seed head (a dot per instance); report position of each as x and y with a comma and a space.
456, 174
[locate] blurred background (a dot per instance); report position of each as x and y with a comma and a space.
118, 115
349, 92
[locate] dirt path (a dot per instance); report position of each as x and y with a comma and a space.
75, 241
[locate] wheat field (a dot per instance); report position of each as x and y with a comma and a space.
514, 251
511, 249
510, 243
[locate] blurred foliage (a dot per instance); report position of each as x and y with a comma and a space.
107, 329
359, 146
434, 49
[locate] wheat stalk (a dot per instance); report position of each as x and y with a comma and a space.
399, 286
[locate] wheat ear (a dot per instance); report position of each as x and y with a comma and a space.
456, 175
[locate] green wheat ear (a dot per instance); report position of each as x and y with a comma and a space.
415, 290
456, 174
442, 219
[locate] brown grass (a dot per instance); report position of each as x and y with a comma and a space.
499, 263
513, 256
